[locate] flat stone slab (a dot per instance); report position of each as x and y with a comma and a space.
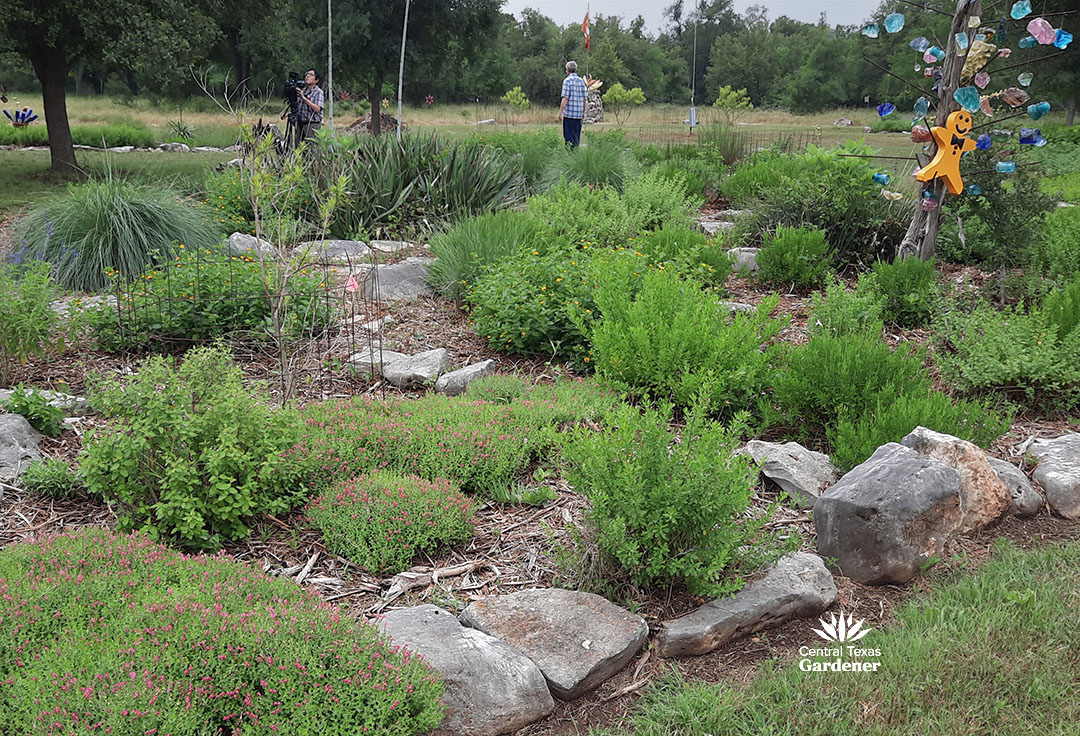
801, 473
175, 147
886, 518
405, 280
456, 382
83, 304
1058, 473
242, 244
983, 496
714, 227
372, 360
737, 307
18, 446
491, 688
800, 586
577, 639
1026, 499
390, 246
336, 251
744, 259
72, 406
420, 369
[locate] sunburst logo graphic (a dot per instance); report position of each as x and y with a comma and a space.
843, 630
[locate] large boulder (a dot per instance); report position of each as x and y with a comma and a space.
344, 252
18, 446
801, 473
242, 244
1058, 473
491, 688
456, 382
744, 259
405, 280
371, 361
416, 370
798, 587
983, 497
886, 518
175, 147
1026, 499
577, 639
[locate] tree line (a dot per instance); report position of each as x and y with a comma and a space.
461, 50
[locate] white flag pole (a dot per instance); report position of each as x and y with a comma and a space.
401, 68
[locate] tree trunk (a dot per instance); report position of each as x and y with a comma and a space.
375, 95
80, 79
129, 76
920, 241
1070, 110
241, 66
50, 66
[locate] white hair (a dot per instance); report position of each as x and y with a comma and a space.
571, 66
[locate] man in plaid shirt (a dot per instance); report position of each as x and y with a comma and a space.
572, 109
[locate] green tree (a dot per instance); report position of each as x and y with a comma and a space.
730, 103
138, 36
621, 101
516, 101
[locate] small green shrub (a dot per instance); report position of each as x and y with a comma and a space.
1059, 255
52, 478
1061, 307
576, 213
110, 226
496, 389
765, 172
655, 202
203, 295
530, 152
96, 136
855, 437
666, 508
595, 165
674, 342
471, 247
190, 453
382, 521
794, 257
687, 251
26, 319
228, 196
139, 639
839, 312
1010, 353
42, 416
908, 289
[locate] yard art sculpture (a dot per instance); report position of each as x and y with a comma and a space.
952, 141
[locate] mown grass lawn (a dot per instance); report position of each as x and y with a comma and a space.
995, 651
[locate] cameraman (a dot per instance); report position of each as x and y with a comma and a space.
309, 113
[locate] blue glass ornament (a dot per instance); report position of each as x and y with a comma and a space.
962, 40
967, 98
885, 109
1062, 38
1028, 136
922, 106
937, 52
1037, 110
1005, 167
1027, 42
983, 142
920, 44
870, 30
974, 190
894, 22
1020, 9
882, 178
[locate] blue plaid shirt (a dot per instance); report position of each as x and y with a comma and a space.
573, 89
305, 113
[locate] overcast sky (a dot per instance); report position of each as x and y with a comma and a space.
843, 12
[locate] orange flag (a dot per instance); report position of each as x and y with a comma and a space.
585, 30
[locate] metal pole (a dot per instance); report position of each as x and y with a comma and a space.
330, 63
401, 68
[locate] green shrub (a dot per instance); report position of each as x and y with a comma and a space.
1010, 353
110, 226
41, 415
574, 212
765, 172
890, 125
1059, 255
26, 319
655, 202
52, 478
191, 452
594, 165
203, 295
228, 197
794, 257
835, 376
907, 287
97, 136
730, 143
695, 177
530, 152
1061, 307
142, 639
669, 339
855, 437
687, 251
839, 312
382, 521
496, 389
471, 247
666, 508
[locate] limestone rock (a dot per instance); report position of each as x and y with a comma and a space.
83, 304
455, 383
737, 307
983, 496
1026, 499
175, 147
421, 369
1058, 473
372, 360
577, 639
336, 251
714, 227
18, 445
841, 122
885, 518
491, 688
801, 473
744, 259
798, 587
242, 244
72, 406
121, 149
390, 246
405, 280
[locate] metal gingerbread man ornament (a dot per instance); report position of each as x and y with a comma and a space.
951, 143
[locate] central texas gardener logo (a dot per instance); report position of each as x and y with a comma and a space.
841, 633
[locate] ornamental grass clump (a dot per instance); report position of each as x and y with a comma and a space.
382, 520
102, 633
110, 225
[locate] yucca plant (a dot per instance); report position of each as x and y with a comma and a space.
110, 226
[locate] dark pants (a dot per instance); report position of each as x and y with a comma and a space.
571, 131
305, 131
